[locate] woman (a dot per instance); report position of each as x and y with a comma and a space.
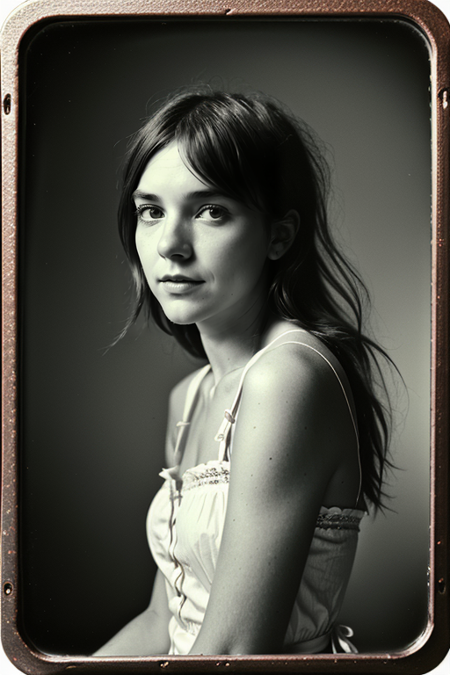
279, 443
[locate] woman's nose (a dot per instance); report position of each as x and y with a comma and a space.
174, 240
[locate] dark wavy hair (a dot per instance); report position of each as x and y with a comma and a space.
255, 151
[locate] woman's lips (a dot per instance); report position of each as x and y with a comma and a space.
180, 284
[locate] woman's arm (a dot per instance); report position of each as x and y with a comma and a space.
293, 433
148, 632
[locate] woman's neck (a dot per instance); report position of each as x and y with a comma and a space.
231, 346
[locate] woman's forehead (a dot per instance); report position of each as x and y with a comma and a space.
168, 164
167, 173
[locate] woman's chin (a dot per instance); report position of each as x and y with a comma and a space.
181, 318
184, 313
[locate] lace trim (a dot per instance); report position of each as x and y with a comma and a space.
337, 521
211, 476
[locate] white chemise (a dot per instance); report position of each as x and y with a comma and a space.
184, 528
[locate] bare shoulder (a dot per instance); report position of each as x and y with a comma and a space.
294, 392
294, 431
177, 398
297, 363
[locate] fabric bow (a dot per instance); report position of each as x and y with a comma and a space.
340, 642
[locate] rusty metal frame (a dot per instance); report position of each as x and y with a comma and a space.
431, 647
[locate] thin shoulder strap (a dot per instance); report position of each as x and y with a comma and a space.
189, 401
230, 414
223, 433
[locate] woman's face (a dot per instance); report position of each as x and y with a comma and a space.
203, 253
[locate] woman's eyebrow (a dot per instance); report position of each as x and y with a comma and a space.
144, 195
196, 194
208, 193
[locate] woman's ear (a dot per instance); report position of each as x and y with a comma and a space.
283, 233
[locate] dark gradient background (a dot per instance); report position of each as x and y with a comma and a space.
93, 418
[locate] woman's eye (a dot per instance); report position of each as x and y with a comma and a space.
212, 212
148, 213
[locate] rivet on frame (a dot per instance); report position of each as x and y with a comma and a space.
7, 104
8, 588
443, 95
